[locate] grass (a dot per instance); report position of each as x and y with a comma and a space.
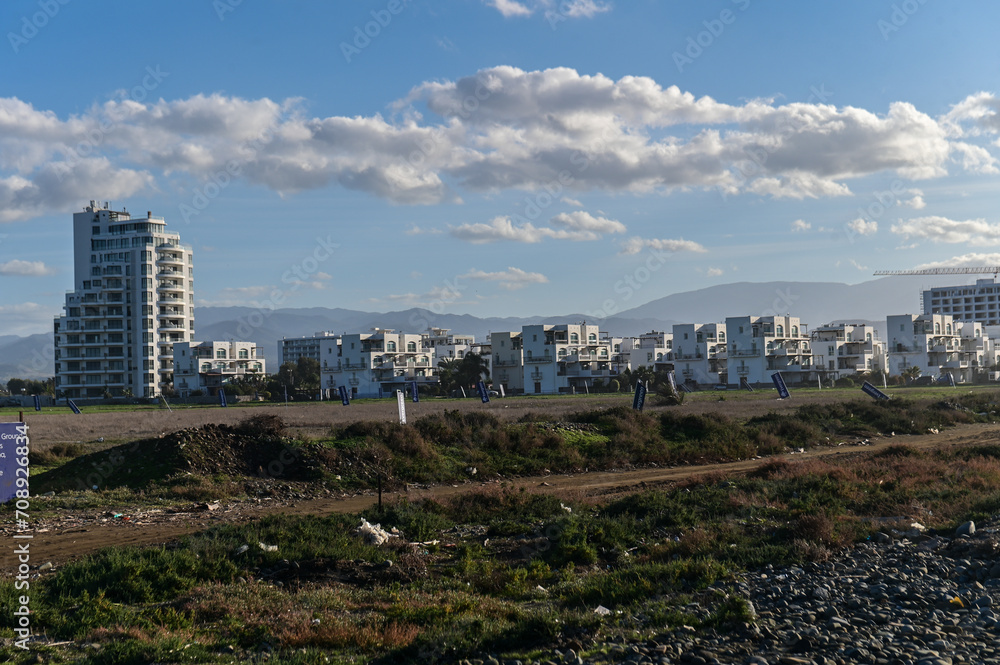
513, 574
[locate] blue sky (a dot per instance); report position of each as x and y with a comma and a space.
499, 157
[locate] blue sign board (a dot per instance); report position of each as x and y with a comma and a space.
413, 388
222, 398
483, 394
344, 397
745, 385
640, 396
73, 406
779, 383
13, 461
38, 403
871, 390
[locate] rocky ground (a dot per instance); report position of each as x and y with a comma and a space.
901, 599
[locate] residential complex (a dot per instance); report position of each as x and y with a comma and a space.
374, 364
759, 346
846, 349
132, 300
207, 366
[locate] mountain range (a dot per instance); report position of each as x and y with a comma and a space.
815, 303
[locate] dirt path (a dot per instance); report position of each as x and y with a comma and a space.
74, 535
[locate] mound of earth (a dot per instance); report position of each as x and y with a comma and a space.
255, 447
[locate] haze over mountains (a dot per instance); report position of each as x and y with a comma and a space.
815, 303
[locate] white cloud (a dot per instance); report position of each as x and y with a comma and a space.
971, 260
801, 225
510, 8
942, 229
415, 230
553, 9
571, 202
527, 130
714, 272
25, 268
575, 226
863, 227
857, 265
635, 245
584, 221
510, 279
915, 203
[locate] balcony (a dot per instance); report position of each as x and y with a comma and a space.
745, 353
539, 360
169, 259
164, 300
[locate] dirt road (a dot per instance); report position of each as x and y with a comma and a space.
74, 535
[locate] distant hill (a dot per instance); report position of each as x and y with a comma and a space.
815, 303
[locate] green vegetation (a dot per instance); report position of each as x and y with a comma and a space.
499, 571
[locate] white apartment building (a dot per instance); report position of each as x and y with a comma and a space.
928, 341
651, 350
132, 300
374, 364
700, 353
207, 366
759, 346
846, 349
446, 345
290, 349
564, 358
978, 302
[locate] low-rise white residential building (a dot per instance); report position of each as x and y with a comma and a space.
207, 366
290, 349
759, 346
651, 350
374, 364
846, 349
507, 361
930, 342
700, 353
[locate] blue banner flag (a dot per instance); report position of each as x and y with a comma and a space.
640, 396
745, 385
413, 388
871, 390
73, 406
13, 461
222, 398
672, 381
483, 394
344, 397
38, 404
951, 381
779, 383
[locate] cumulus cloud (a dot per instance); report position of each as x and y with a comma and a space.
916, 202
576, 226
863, 227
941, 229
714, 272
635, 245
510, 279
499, 129
801, 225
25, 268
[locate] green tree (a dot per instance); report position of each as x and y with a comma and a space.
472, 369
447, 374
911, 373
307, 374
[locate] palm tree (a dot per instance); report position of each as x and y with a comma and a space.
472, 369
448, 374
911, 373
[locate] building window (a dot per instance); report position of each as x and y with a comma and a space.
389, 346
244, 354
780, 330
411, 347
220, 353
574, 338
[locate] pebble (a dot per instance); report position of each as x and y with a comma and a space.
887, 601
